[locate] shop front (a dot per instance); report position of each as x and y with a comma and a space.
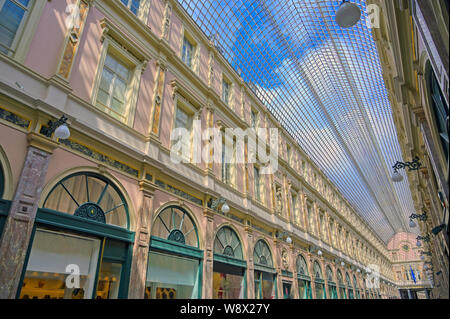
265, 273
287, 284
229, 268
351, 295
304, 280
342, 292
174, 268
355, 284
81, 246
319, 283
332, 290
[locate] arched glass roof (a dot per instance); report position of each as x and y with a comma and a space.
324, 84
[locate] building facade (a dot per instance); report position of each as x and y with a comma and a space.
414, 49
106, 213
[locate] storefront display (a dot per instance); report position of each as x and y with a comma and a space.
229, 267
54, 259
304, 280
174, 260
265, 275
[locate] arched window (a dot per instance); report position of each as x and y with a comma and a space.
317, 270
227, 243
302, 267
329, 273
90, 196
439, 108
175, 224
347, 279
339, 276
355, 282
262, 254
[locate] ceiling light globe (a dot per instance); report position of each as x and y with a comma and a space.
319, 253
62, 132
419, 244
348, 14
289, 240
422, 257
397, 177
412, 223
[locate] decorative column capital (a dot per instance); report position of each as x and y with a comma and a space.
41, 142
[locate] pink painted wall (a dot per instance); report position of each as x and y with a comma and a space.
167, 112
14, 144
86, 62
48, 41
144, 102
175, 34
203, 64
156, 15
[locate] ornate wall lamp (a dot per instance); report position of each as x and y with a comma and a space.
425, 239
58, 127
283, 236
412, 166
215, 204
423, 217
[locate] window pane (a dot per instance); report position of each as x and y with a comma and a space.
46, 273
109, 281
11, 16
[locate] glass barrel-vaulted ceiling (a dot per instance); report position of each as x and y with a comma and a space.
324, 84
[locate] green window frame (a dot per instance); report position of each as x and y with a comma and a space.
175, 224
262, 255
227, 243
88, 206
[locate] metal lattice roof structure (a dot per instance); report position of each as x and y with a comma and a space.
324, 85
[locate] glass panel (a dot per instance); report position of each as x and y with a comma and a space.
320, 291
173, 223
228, 282
109, 280
11, 16
287, 290
228, 243
80, 189
2, 181
171, 277
264, 285
47, 270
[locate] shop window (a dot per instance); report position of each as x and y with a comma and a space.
172, 272
13, 16
89, 196
54, 256
171, 277
304, 287
319, 283
228, 278
265, 285
254, 115
175, 224
287, 286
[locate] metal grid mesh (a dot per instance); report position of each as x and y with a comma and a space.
324, 84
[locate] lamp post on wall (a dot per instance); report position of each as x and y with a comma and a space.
284, 236
221, 203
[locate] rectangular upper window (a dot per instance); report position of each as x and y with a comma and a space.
133, 5
257, 178
254, 119
13, 15
112, 91
187, 52
184, 120
226, 86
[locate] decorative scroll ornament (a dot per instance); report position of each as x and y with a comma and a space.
91, 211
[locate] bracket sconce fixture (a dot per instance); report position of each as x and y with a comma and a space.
214, 204
284, 236
423, 217
412, 166
58, 127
